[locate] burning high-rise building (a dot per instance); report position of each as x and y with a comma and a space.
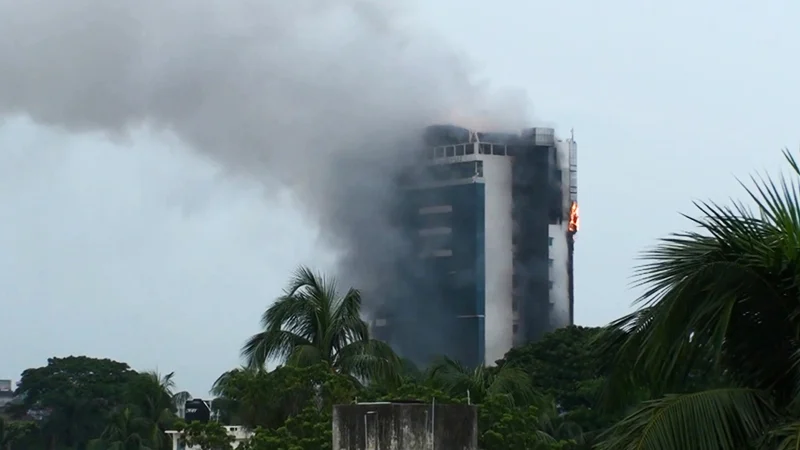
493, 218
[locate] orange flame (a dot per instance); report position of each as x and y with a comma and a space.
574, 218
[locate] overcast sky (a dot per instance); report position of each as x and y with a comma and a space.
142, 251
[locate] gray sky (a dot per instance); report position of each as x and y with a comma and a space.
142, 251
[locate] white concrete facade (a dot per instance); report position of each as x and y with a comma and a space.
559, 236
240, 434
558, 274
499, 259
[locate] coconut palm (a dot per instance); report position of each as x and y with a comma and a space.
723, 300
125, 431
479, 383
311, 323
153, 399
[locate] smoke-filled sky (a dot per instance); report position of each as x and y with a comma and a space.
165, 164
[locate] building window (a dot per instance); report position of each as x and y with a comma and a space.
438, 210
550, 285
550, 262
550, 242
514, 305
515, 328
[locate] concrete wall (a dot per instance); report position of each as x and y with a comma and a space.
499, 264
561, 307
240, 435
558, 262
405, 426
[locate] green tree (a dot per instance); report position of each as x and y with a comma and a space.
124, 431
208, 436
560, 363
311, 323
6, 434
504, 427
73, 396
151, 396
568, 365
13, 433
479, 383
267, 399
720, 300
308, 430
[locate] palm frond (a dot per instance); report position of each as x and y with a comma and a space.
369, 360
784, 437
708, 293
722, 419
271, 343
305, 355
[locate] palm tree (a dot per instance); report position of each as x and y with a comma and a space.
311, 323
179, 400
237, 396
154, 401
725, 301
125, 431
481, 382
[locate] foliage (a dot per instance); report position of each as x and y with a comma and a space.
504, 427
124, 431
563, 364
720, 306
208, 436
308, 430
311, 323
14, 433
256, 398
568, 366
481, 382
72, 396
151, 396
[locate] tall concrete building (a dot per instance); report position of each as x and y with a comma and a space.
492, 218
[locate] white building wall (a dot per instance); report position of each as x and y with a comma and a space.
240, 435
498, 257
559, 234
558, 275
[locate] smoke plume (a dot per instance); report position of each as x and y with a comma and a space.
325, 97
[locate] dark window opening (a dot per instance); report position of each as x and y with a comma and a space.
435, 220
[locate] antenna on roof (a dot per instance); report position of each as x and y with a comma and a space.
572, 134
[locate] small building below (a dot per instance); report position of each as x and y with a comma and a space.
405, 426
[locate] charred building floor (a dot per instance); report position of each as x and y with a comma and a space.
492, 218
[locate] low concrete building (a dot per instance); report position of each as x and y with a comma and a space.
405, 426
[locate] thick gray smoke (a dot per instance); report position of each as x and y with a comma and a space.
325, 97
